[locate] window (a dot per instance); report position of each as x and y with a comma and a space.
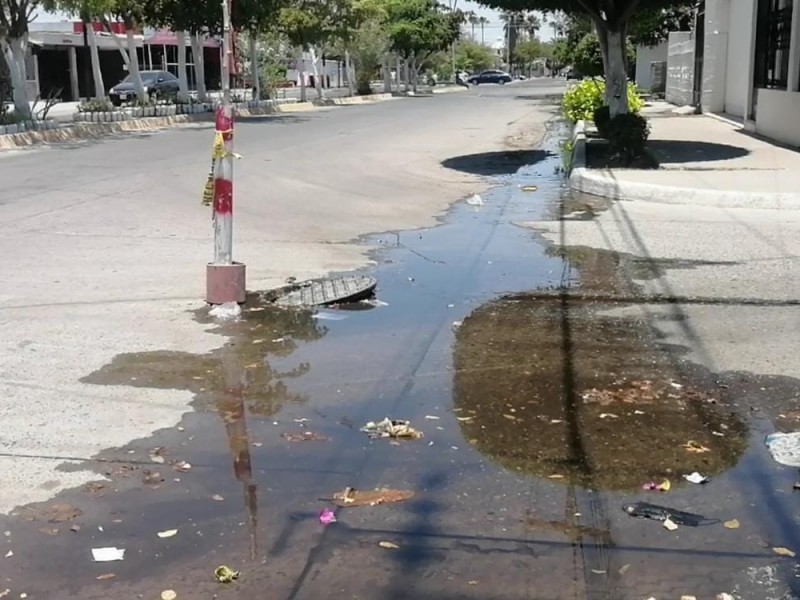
773, 37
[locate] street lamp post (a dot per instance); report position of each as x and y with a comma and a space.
225, 279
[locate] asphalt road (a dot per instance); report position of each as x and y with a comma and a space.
556, 351
106, 243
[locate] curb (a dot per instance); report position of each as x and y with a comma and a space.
92, 130
294, 107
453, 89
352, 100
603, 183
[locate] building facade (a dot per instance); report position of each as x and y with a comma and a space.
747, 64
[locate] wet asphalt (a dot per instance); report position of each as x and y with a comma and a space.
544, 409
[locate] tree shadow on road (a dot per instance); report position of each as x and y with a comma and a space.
680, 151
504, 162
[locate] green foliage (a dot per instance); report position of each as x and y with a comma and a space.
473, 57
652, 26
588, 59
601, 117
421, 27
527, 52
583, 99
96, 106
627, 137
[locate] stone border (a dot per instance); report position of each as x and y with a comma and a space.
94, 129
598, 182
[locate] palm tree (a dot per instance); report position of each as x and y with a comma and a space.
473, 20
532, 25
512, 21
483, 21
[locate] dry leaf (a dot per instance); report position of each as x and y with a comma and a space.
389, 545
217, 498
598, 572
352, 497
732, 524
169, 595
510, 417
555, 476
670, 524
105, 576
75, 528
168, 533
784, 552
182, 466
49, 530
695, 448
624, 569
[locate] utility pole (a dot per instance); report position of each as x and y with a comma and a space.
225, 279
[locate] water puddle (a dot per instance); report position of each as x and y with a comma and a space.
544, 400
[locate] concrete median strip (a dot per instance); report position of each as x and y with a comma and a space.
85, 131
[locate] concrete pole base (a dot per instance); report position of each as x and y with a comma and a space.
225, 283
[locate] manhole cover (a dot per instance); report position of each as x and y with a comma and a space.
318, 292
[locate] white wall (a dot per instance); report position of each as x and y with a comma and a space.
740, 55
644, 56
680, 68
777, 116
715, 56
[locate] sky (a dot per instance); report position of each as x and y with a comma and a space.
492, 31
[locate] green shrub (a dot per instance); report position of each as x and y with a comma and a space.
96, 106
627, 137
583, 99
601, 118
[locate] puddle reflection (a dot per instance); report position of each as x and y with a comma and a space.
560, 388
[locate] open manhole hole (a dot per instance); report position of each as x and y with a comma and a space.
331, 290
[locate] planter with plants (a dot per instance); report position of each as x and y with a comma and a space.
614, 142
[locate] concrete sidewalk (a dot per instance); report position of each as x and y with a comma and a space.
705, 161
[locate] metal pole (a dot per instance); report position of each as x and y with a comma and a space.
225, 279
223, 184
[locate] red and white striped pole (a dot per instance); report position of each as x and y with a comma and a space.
225, 279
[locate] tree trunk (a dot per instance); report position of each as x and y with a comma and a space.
315, 68
397, 74
14, 52
255, 70
406, 74
183, 82
97, 73
387, 76
198, 57
414, 72
301, 73
612, 47
133, 65
348, 65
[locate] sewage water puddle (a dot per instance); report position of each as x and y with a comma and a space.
544, 403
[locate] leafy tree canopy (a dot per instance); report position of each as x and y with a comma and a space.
588, 59
421, 27
651, 27
615, 14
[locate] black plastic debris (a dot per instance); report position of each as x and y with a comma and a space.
655, 512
